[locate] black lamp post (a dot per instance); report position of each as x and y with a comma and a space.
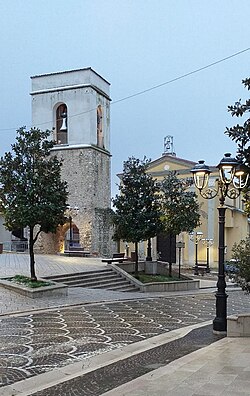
149, 251
232, 179
208, 242
196, 237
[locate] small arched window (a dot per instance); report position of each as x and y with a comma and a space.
61, 124
100, 140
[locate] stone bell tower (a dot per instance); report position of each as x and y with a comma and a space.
75, 105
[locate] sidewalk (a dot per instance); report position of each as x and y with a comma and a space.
222, 368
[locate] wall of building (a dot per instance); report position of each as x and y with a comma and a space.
82, 99
5, 235
236, 222
86, 156
87, 172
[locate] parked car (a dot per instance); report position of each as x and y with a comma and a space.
231, 267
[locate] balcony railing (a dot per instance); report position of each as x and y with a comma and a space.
15, 246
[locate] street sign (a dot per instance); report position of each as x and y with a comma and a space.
180, 245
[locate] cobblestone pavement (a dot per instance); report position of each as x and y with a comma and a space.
34, 343
113, 375
9, 303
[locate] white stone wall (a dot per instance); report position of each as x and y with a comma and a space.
82, 91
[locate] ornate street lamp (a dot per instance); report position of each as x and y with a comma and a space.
196, 238
232, 179
208, 243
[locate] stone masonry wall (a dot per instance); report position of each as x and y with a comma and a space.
87, 172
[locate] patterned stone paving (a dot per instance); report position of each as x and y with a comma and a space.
35, 343
109, 377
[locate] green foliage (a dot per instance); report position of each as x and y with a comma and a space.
31, 191
26, 281
144, 278
180, 207
241, 254
137, 208
240, 134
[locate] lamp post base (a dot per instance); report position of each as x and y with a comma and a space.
220, 326
219, 332
196, 269
220, 321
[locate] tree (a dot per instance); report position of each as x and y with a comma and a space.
240, 134
137, 216
180, 208
241, 255
31, 191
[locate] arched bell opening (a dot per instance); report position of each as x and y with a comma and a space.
100, 138
62, 124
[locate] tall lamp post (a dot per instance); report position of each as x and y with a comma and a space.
232, 179
149, 250
196, 238
208, 243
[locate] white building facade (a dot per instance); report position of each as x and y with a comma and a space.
75, 105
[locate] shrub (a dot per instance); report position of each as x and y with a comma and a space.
241, 255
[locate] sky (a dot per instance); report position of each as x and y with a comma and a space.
136, 45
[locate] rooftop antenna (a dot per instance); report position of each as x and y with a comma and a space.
169, 146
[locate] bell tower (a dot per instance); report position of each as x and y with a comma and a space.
75, 106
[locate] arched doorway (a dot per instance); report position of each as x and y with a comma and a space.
71, 237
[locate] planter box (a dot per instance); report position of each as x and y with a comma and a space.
129, 266
151, 267
45, 291
182, 285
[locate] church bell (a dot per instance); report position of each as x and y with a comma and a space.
64, 126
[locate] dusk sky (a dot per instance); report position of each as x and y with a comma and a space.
136, 45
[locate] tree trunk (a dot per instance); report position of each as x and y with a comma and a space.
136, 260
32, 257
170, 257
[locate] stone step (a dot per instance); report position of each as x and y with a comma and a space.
93, 282
88, 278
127, 288
87, 273
100, 279
107, 284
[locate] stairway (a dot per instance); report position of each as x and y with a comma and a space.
102, 279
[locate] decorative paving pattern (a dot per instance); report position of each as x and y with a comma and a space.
35, 343
97, 382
